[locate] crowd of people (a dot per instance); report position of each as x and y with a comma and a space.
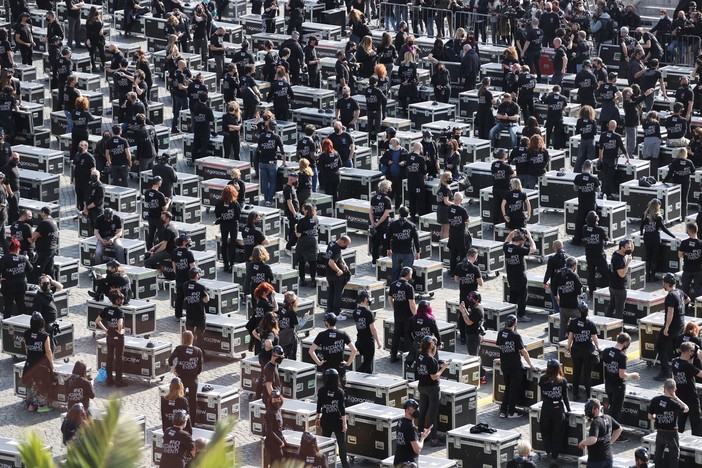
526, 30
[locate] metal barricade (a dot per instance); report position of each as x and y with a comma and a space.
681, 50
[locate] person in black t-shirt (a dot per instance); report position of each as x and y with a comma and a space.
512, 351
594, 238
400, 237
610, 146
366, 332
338, 273
111, 321
173, 401
291, 208
178, 445
553, 265
665, 410
94, 199
582, 341
44, 301
108, 231
586, 185
507, 119
618, 283
516, 207
554, 394
515, 266
307, 232
227, 213
182, 261
684, 374
118, 157
566, 287
22, 231
428, 372
186, 363
269, 146
614, 362
690, 251
331, 411
408, 442
680, 171
402, 300
46, 243
167, 235
459, 239
331, 344
79, 388
195, 300
347, 109
586, 127
473, 317
202, 116
14, 269
675, 302
604, 431
416, 167
155, 203
502, 174
379, 214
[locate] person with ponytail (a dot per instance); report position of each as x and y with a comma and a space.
555, 404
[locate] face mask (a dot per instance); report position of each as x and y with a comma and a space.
94, 178
628, 251
415, 414
346, 95
662, 17
338, 130
15, 162
279, 359
46, 287
344, 247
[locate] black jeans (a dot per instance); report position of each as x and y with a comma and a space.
400, 333
429, 397
609, 173
333, 426
292, 238
684, 196
374, 124
473, 346
154, 224
200, 143
180, 297
617, 300
232, 145
44, 264
13, 293
456, 255
582, 366
115, 351
378, 242
581, 215
514, 379
417, 199
615, 395
198, 328
596, 263
652, 257
671, 440
336, 289
518, 293
555, 130
228, 232
688, 278
190, 385
26, 53
664, 347
552, 425
693, 401
367, 351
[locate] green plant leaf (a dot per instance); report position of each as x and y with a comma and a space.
217, 454
33, 452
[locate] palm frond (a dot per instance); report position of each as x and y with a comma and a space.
113, 441
217, 454
32, 452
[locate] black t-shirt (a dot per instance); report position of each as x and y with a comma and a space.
583, 330
35, 343
193, 301
342, 144
154, 201
108, 228
380, 202
520, 158
79, 390
538, 162
118, 147
684, 374
613, 360
679, 171
516, 204
121, 282
331, 343
406, 434
594, 238
177, 445
555, 103
49, 236
509, 109
202, 115
684, 96
269, 144
476, 314
666, 410
601, 428
287, 318
676, 300
228, 214
183, 258
692, 255
424, 367
618, 263
515, 264
501, 175
651, 129
677, 126
458, 217
401, 235
168, 233
401, 292
111, 316
611, 145
586, 128
289, 193
346, 108
443, 192
168, 407
22, 232
46, 306
331, 403
510, 344
14, 268
95, 194
363, 318
334, 253
554, 394
308, 227
535, 37
416, 168
586, 185
187, 361
259, 273
586, 84
251, 237
468, 274
568, 287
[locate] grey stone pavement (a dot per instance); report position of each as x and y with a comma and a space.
143, 398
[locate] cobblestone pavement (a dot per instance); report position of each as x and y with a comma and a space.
143, 398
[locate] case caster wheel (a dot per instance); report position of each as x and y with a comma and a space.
65, 360
94, 334
147, 336
649, 363
540, 260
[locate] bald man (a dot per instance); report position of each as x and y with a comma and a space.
611, 145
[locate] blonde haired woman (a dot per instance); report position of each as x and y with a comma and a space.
173, 401
408, 81
366, 57
516, 207
304, 181
231, 127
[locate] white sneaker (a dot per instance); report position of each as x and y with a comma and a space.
514, 415
341, 318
